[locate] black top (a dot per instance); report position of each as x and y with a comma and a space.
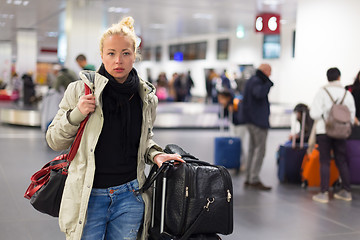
117, 147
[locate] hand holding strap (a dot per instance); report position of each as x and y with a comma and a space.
76, 143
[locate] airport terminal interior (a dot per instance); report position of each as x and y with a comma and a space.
230, 38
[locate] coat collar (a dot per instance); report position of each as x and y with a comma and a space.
146, 89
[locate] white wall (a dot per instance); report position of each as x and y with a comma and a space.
5, 61
327, 36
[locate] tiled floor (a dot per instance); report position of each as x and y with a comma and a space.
286, 212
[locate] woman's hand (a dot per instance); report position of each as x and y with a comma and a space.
163, 157
86, 104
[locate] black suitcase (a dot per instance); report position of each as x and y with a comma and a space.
191, 200
291, 155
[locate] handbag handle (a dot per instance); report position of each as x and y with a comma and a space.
155, 171
76, 143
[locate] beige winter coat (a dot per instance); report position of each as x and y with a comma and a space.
61, 134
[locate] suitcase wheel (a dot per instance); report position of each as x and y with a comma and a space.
304, 184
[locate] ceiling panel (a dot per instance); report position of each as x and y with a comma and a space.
155, 20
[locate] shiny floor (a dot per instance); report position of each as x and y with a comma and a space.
286, 212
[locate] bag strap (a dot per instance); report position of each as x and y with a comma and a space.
198, 220
327, 91
76, 143
342, 100
41, 177
155, 171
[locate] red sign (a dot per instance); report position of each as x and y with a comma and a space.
268, 23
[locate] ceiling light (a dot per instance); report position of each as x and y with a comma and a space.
203, 16
52, 34
118, 10
157, 26
272, 2
17, 2
25, 3
240, 31
8, 1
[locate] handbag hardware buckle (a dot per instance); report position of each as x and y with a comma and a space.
228, 195
209, 201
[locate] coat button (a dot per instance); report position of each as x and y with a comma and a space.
91, 150
80, 222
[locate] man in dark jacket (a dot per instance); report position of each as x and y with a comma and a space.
256, 111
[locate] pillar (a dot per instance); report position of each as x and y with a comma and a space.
26, 43
83, 28
5, 61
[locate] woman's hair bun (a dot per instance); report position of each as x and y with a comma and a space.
128, 22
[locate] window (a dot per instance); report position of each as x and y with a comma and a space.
222, 49
188, 51
271, 46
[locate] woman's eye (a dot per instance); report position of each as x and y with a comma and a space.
126, 53
111, 53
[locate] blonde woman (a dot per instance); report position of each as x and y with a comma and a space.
99, 200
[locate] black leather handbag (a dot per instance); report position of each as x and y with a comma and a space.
47, 185
191, 200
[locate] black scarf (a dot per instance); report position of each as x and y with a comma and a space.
116, 98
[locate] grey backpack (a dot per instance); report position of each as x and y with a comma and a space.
338, 123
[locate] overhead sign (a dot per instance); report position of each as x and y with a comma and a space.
268, 23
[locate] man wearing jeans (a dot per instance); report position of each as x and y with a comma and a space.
319, 111
256, 111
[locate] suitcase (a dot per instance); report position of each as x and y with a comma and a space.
291, 155
191, 200
311, 170
227, 149
353, 157
289, 163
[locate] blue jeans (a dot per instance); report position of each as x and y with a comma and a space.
114, 213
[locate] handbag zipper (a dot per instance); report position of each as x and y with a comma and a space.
226, 176
186, 200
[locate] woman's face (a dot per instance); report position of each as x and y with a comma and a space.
118, 56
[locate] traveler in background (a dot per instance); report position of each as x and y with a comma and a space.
225, 81
28, 89
53, 97
319, 111
99, 197
237, 128
211, 91
64, 77
299, 110
182, 85
256, 111
355, 91
189, 86
172, 92
162, 87
82, 61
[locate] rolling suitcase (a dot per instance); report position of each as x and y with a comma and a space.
227, 149
311, 170
291, 155
191, 200
353, 155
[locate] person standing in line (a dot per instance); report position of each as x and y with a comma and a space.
256, 112
319, 111
100, 199
82, 61
355, 91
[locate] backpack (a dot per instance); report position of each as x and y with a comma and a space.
338, 123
